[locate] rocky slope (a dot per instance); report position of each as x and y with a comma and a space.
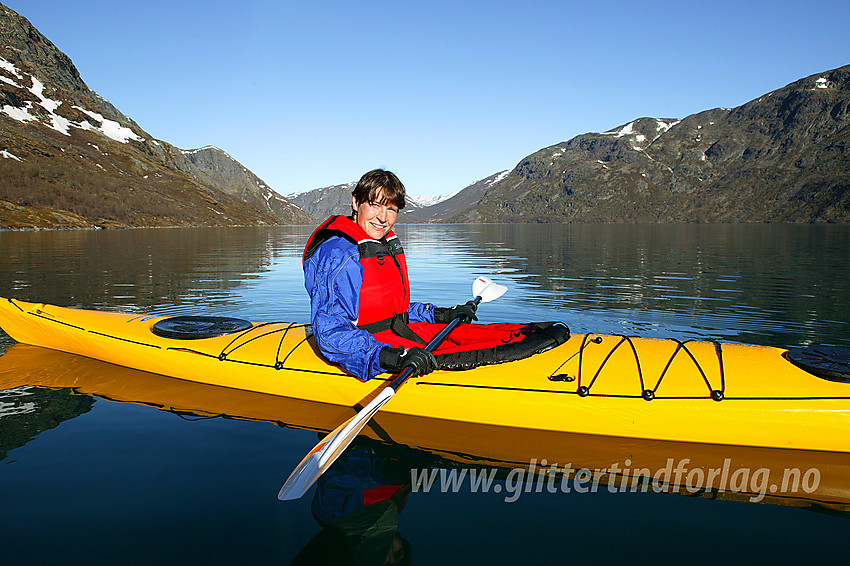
784, 157
71, 159
462, 200
323, 202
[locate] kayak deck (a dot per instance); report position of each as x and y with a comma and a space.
661, 389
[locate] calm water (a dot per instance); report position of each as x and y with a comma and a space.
95, 481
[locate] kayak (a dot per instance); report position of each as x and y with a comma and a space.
607, 385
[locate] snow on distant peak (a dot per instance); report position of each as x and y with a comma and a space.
37, 89
108, 128
626, 130
347, 186
498, 177
205, 148
661, 126
640, 141
19, 114
422, 201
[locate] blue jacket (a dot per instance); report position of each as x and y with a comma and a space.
333, 276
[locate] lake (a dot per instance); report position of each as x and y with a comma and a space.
106, 476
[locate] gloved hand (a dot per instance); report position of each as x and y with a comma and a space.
396, 359
446, 315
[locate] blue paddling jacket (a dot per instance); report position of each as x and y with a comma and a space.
334, 272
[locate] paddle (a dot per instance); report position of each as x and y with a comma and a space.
331, 446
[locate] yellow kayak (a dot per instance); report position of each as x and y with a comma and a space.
616, 386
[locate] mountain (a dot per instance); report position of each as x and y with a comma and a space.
462, 200
784, 157
214, 167
424, 201
323, 202
326, 201
71, 159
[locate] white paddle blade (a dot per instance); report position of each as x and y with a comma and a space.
325, 453
487, 289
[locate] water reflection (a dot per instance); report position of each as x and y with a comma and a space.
448, 456
774, 285
781, 285
26, 412
171, 270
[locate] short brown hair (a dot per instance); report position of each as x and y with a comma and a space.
379, 180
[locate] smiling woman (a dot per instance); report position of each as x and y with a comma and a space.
354, 290
361, 314
376, 201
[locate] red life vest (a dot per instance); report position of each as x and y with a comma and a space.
385, 290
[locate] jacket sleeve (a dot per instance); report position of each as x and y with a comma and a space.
333, 277
421, 312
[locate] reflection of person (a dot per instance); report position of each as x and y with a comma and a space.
357, 479
356, 275
357, 503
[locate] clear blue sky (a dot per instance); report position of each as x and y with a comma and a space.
313, 93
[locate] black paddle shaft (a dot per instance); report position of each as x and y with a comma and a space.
429, 347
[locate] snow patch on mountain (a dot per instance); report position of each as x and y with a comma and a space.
498, 177
53, 120
639, 139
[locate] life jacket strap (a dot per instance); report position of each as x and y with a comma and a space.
398, 323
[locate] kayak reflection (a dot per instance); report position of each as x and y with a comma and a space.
357, 503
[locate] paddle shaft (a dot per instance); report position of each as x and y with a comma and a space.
328, 450
432, 345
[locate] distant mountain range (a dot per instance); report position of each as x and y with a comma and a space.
68, 158
784, 157
336, 199
71, 159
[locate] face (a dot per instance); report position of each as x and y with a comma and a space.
375, 218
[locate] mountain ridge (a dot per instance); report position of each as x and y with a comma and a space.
71, 159
323, 202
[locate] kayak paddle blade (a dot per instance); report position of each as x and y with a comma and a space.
487, 289
325, 453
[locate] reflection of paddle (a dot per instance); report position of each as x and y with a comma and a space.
328, 450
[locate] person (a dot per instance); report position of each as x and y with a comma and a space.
356, 275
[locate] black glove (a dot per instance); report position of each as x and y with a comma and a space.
396, 359
446, 315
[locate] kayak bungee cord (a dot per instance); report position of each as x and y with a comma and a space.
649, 394
222, 356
